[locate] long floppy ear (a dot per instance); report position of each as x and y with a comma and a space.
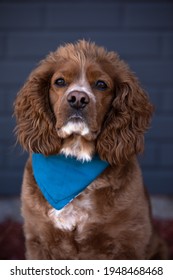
35, 120
122, 135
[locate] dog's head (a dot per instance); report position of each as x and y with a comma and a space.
83, 100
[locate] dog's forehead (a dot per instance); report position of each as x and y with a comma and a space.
81, 83
80, 70
76, 72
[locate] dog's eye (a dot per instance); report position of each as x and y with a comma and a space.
101, 85
60, 82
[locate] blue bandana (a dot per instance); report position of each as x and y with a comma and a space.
61, 179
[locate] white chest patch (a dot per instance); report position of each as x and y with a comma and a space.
76, 152
71, 216
76, 149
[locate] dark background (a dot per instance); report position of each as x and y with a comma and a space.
140, 31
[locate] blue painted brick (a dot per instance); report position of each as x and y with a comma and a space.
148, 158
161, 127
83, 14
153, 72
10, 97
39, 44
13, 72
168, 45
128, 44
16, 157
10, 182
166, 154
167, 103
1, 156
20, 15
2, 42
150, 15
6, 128
158, 181
162, 99
31, 44
155, 97
2, 101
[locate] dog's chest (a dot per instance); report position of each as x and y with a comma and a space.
73, 216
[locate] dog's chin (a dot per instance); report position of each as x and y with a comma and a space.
76, 126
78, 140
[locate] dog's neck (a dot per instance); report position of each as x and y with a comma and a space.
77, 146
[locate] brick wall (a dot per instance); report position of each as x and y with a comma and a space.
142, 33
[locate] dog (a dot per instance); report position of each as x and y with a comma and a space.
82, 115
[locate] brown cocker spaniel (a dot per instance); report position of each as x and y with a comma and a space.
83, 107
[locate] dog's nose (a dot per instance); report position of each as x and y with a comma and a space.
78, 99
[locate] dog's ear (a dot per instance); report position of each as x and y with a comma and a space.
122, 135
35, 120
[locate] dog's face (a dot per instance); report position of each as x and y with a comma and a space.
82, 100
80, 94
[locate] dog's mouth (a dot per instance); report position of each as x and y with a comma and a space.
76, 118
77, 125
74, 125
